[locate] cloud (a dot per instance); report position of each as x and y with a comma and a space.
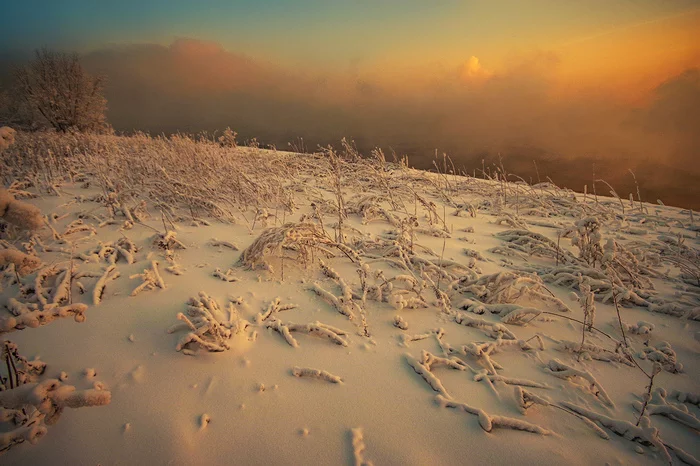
195, 86
674, 115
472, 70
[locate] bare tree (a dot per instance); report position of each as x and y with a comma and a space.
56, 88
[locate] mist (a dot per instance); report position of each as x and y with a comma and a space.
519, 115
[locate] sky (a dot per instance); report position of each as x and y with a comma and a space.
336, 33
611, 82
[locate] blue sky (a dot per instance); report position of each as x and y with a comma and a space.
325, 31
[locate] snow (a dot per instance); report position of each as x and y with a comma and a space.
294, 319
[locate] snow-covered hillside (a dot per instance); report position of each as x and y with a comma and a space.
241, 306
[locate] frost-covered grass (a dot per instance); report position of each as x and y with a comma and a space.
201, 177
530, 308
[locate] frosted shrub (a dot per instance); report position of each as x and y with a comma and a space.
22, 215
61, 94
23, 263
228, 139
7, 137
586, 236
28, 405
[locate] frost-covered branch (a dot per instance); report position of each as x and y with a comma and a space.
151, 279
489, 422
316, 374
23, 315
315, 329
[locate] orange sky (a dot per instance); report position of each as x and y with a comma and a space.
625, 62
632, 60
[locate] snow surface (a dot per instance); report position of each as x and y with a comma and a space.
273, 325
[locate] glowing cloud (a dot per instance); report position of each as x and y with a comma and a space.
473, 71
